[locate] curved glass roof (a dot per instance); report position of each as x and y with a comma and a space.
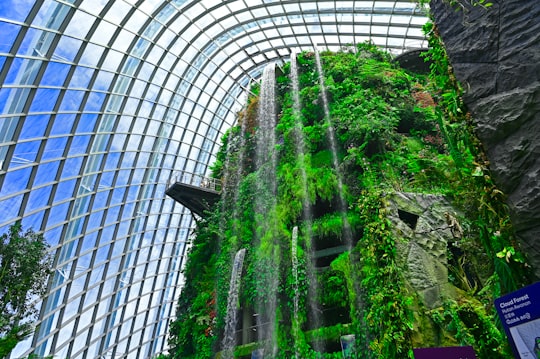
102, 102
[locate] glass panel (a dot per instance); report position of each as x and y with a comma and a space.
89, 243
123, 41
9, 32
94, 102
33, 221
79, 145
25, 153
23, 72
80, 24
81, 77
55, 74
55, 148
103, 81
93, 7
10, 208
38, 198
45, 100
72, 167
103, 33
63, 124
65, 190
67, 49
87, 123
53, 235
51, 14
95, 220
91, 55
103, 306
80, 338
72, 100
36, 43
57, 215
91, 294
100, 200
17, 181
18, 12
112, 61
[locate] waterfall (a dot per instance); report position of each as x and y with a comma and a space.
294, 257
362, 339
347, 233
229, 338
314, 308
269, 255
266, 138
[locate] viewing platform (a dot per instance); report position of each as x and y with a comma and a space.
196, 192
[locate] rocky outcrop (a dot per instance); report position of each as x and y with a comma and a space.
495, 54
419, 223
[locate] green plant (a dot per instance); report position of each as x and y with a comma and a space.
25, 266
471, 325
395, 131
388, 315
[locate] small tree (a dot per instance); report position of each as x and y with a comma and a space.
25, 266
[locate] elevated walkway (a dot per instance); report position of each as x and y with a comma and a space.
196, 192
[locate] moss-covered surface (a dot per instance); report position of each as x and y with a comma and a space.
395, 131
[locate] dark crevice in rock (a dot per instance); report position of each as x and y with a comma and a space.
409, 218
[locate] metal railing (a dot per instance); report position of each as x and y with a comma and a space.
197, 180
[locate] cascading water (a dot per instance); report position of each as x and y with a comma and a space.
314, 310
347, 233
299, 137
362, 342
232, 179
265, 202
294, 258
229, 338
266, 138
232, 174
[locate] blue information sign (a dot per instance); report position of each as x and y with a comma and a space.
520, 315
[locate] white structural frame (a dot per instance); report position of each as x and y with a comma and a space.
102, 102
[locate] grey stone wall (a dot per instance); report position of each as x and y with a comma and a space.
495, 54
423, 236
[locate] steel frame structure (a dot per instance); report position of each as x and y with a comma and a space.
102, 101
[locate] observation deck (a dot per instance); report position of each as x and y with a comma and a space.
196, 192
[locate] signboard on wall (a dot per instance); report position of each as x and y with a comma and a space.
445, 353
520, 315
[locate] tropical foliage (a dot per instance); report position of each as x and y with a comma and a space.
387, 130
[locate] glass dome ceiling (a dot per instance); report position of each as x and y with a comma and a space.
102, 102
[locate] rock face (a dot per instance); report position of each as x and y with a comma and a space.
495, 54
424, 235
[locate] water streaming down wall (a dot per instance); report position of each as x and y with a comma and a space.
347, 232
232, 174
277, 224
229, 337
362, 338
265, 156
294, 259
300, 146
265, 202
267, 253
